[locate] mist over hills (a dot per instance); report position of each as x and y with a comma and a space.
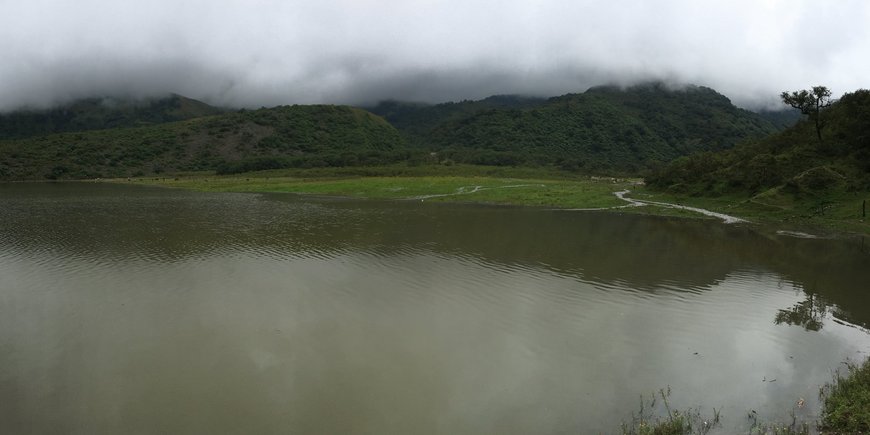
606, 129
102, 113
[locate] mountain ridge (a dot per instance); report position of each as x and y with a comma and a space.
100, 113
606, 128
283, 136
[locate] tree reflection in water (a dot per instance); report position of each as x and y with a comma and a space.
809, 313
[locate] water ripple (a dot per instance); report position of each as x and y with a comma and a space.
126, 296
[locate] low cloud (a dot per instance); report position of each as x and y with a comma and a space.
263, 53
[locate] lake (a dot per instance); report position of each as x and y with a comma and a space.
128, 309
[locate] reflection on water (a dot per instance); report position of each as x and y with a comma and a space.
808, 313
127, 309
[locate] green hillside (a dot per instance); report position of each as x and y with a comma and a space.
794, 160
286, 136
100, 114
606, 129
417, 120
603, 130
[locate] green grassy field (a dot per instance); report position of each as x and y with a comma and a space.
478, 189
832, 213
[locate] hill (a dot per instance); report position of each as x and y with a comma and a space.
100, 114
605, 129
783, 118
285, 136
417, 120
793, 161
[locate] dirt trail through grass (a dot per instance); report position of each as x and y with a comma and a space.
728, 219
466, 190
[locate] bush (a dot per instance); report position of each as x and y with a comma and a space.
847, 405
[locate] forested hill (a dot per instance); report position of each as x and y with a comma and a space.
604, 129
417, 120
793, 162
101, 113
283, 136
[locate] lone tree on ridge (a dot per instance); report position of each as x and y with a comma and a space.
810, 103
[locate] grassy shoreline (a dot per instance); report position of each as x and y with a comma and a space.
836, 214
845, 410
521, 186
847, 402
825, 216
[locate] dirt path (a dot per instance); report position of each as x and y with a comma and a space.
465, 190
728, 219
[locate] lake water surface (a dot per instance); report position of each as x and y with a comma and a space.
128, 309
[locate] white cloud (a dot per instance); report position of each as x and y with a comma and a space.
254, 53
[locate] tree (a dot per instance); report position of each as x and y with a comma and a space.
810, 103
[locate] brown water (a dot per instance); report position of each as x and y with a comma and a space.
139, 310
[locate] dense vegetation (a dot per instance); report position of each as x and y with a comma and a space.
287, 136
100, 114
606, 129
417, 120
847, 402
792, 162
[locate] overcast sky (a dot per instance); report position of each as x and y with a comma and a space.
263, 53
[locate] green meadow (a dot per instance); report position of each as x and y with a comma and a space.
566, 193
828, 214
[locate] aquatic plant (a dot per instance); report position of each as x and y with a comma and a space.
650, 421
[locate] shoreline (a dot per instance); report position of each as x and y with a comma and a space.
568, 194
519, 187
